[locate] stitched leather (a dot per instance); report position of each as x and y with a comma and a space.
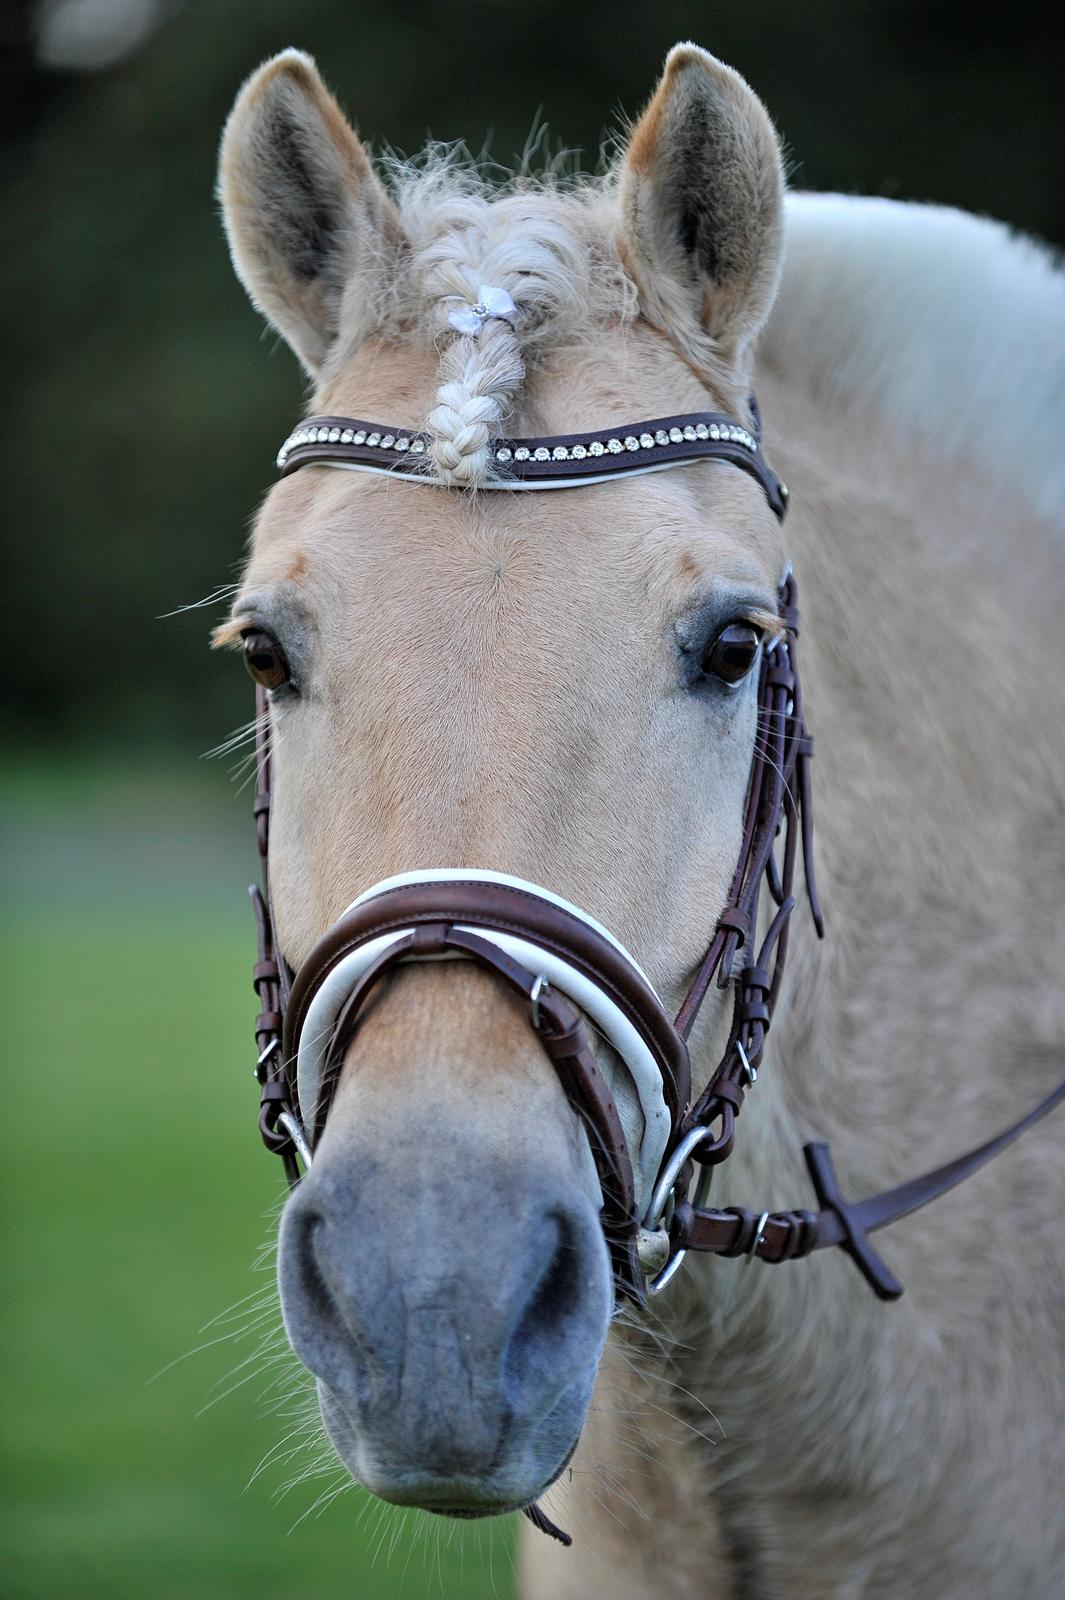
789, 1235
509, 910
563, 1035
551, 469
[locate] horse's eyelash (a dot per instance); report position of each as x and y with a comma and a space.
767, 622
228, 635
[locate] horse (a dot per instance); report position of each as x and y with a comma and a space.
561, 689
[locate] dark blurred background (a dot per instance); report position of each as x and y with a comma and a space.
145, 405
145, 400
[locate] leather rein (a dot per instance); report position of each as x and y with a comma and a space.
654, 1204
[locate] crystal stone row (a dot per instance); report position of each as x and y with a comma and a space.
609, 444
402, 443
614, 444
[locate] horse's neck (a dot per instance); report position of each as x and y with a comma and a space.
937, 320
933, 666
912, 393
929, 606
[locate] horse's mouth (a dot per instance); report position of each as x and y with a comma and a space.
464, 1512
473, 1513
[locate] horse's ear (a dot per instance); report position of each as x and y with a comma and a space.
701, 188
304, 212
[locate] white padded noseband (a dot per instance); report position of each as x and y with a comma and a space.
647, 1143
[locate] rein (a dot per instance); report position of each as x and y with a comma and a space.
565, 966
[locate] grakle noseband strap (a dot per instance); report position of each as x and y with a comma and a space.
425, 921
544, 935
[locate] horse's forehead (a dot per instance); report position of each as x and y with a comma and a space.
330, 531
612, 374
352, 542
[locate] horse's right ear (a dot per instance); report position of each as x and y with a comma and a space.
304, 212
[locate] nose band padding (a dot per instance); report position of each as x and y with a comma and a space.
647, 1142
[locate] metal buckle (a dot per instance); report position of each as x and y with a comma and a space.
534, 1000
759, 1235
752, 1072
264, 1056
660, 1211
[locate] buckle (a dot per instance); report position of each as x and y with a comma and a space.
759, 1235
258, 1072
659, 1215
534, 1000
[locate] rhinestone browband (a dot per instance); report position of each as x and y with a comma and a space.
560, 461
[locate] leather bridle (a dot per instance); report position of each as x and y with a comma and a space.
516, 930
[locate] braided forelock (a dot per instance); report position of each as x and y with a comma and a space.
479, 380
511, 245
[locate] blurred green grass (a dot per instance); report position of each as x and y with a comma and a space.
138, 1198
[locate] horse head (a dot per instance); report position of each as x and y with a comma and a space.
557, 688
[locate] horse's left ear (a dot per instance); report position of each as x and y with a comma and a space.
701, 187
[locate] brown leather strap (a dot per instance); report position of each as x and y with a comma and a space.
544, 461
778, 803
561, 1031
275, 1093
789, 1235
507, 910
271, 975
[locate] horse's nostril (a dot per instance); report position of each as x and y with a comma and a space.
320, 1312
550, 1319
322, 1279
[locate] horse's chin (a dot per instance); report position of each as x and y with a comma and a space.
501, 1489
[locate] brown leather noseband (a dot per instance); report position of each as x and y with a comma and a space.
442, 918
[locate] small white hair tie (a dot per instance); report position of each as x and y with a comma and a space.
491, 304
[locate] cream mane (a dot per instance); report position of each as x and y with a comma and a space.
550, 246
936, 318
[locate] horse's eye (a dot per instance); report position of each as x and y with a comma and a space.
733, 653
264, 658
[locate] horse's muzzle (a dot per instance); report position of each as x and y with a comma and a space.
455, 1326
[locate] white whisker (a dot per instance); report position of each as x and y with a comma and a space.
216, 596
